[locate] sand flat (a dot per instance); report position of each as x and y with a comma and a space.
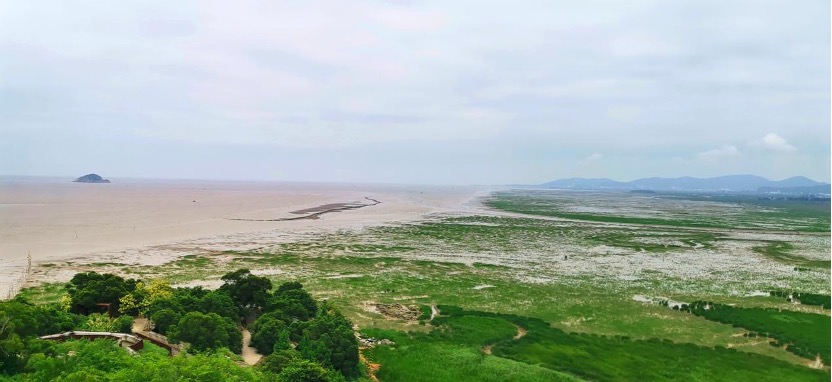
55, 219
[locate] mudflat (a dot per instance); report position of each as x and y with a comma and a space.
54, 219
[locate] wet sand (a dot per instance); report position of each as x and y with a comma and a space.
57, 220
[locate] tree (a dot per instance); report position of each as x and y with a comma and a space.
289, 286
123, 324
29, 320
278, 360
128, 304
207, 332
11, 346
165, 303
245, 289
266, 333
295, 303
305, 371
145, 295
164, 320
330, 340
88, 289
97, 322
189, 298
219, 302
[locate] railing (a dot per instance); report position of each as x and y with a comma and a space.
124, 340
19, 282
160, 340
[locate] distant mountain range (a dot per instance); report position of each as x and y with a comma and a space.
737, 183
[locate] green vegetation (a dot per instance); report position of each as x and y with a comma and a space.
804, 334
779, 251
325, 347
103, 360
247, 290
205, 332
697, 211
822, 300
464, 339
89, 291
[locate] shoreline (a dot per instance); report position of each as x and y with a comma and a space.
148, 224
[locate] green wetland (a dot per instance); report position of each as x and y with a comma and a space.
561, 286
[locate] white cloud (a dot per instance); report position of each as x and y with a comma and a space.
592, 158
720, 154
775, 142
538, 80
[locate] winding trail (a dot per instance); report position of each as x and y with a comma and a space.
521, 332
434, 311
250, 354
317, 212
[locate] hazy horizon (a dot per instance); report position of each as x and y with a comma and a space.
415, 92
116, 179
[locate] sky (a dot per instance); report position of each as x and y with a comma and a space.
432, 92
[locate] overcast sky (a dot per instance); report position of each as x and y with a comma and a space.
448, 92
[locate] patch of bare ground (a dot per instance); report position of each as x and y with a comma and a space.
372, 368
749, 344
521, 332
250, 354
410, 297
816, 364
396, 311
141, 324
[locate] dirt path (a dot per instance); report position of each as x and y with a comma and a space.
140, 324
372, 368
250, 354
434, 311
816, 364
521, 332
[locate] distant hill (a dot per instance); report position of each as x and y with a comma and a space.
91, 178
722, 183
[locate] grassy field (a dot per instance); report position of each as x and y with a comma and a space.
586, 283
804, 334
677, 210
463, 334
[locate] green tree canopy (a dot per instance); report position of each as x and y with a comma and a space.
91, 288
330, 340
267, 331
219, 302
295, 303
306, 371
207, 332
246, 289
164, 320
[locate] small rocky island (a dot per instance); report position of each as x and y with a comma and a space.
91, 178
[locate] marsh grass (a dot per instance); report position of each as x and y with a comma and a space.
702, 211
780, 251
455, 351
